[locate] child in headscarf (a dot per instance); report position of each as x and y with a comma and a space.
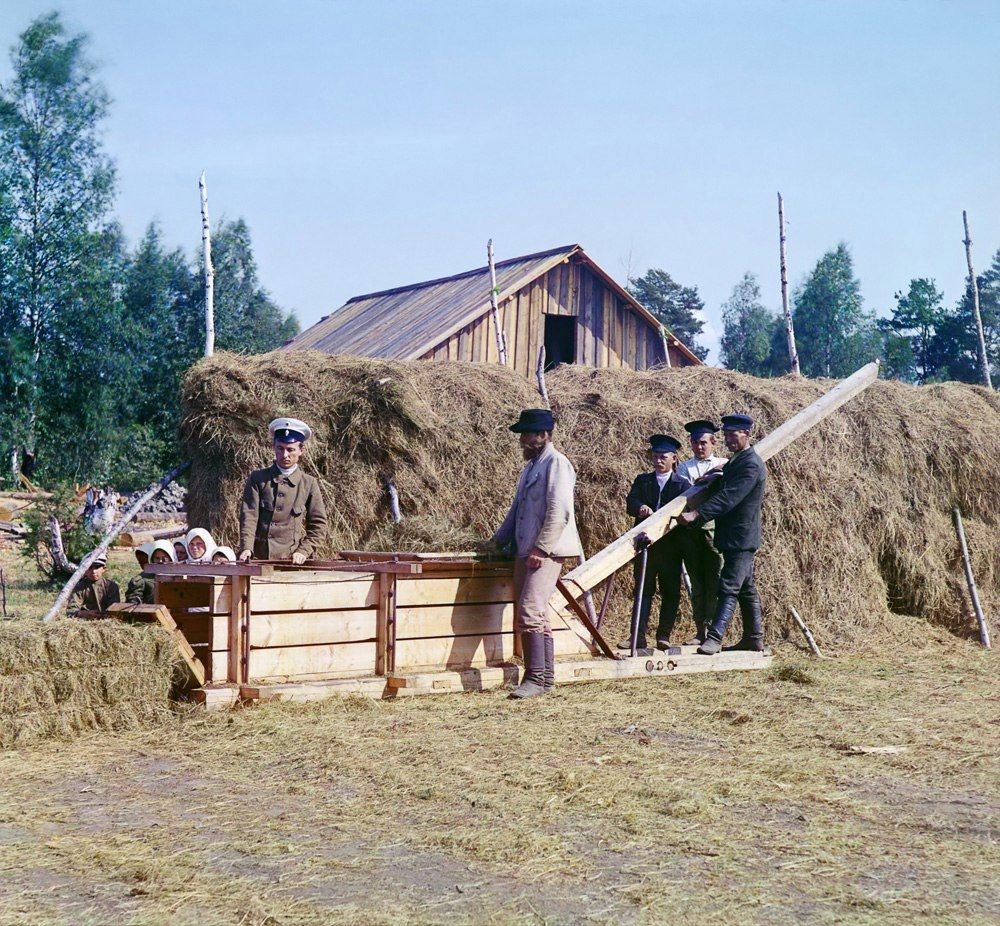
162, 552
224, 555
200, 545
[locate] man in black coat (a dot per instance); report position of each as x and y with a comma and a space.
649, 492
735, 508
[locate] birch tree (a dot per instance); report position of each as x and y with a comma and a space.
56, 185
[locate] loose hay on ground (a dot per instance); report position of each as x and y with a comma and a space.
858, 533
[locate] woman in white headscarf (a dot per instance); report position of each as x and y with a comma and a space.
200, 545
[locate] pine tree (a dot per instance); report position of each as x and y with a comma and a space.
677, 307
910, 333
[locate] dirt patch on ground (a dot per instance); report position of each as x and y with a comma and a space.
725, 798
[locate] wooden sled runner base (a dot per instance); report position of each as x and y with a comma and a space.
485, 678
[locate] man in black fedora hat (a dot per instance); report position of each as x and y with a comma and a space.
735, 508
649, 492
540, 529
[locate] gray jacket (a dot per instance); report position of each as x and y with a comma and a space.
541, 514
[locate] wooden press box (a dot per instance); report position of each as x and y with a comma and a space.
365, 615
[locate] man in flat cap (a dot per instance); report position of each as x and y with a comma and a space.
95, 592
702, 561
649, 492
540, 529
735, 508
282, 515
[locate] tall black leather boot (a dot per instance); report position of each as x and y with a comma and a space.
724, 610
533, 681
753, 622
550, 663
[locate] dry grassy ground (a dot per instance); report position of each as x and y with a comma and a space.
725, 799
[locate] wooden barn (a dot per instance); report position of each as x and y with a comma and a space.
560, 299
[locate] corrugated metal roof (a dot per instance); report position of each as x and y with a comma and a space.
405, 322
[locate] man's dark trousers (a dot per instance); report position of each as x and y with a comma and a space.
663, 571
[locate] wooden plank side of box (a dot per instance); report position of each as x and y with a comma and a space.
418, 590
453, 619
322, 591
332, 660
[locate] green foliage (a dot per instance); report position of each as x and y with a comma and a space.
833, 333
66, 508
96, 339
910, 346
749, 331
676, 306
956, 345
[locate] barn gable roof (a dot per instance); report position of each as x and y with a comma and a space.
405, 322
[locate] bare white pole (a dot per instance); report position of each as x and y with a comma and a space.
206, 240
984, 363
793, 354
494, 308
666, 346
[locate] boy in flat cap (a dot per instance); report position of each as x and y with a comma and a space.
649, 492
702, 561
540, 528
735, 508
95, 592
282, 515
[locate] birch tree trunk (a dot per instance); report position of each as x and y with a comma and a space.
984, 362
109, 539
206, 240
494, 308
793, 353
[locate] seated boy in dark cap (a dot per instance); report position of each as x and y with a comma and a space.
95, 592
649, 492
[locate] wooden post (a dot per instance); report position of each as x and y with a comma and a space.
109, 539
540, 376
238, 666
206, 240
984, 361
806, 632
621, 551
970, 579
494, 308
793, 354
666, 346
384, 618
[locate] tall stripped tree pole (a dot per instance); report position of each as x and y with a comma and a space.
206, 240
494, 308
793, 353
984, 363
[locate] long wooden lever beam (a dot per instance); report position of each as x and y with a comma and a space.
621, 551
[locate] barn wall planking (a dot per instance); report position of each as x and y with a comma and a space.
609, 332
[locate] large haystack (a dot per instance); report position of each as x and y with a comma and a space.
70, 676
858, 532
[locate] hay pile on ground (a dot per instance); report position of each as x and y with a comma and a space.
858, 533
63, 678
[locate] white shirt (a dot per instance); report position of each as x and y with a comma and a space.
662, 479
693, 469
287, 472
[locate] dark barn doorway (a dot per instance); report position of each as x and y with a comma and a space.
560, 339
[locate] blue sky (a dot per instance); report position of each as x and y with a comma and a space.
373, 144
